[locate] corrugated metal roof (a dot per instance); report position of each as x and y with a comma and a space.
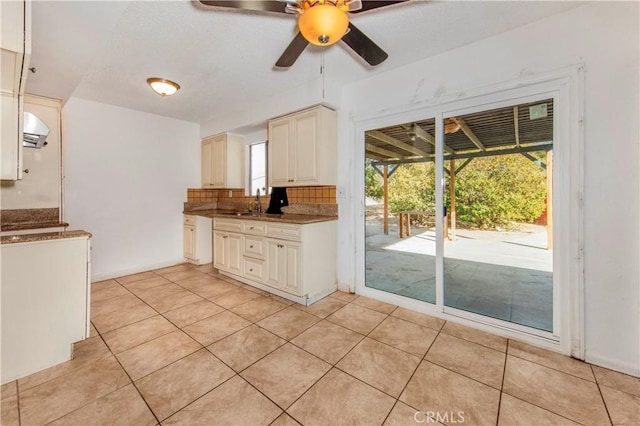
494, 132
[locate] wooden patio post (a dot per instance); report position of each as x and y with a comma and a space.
385, 187
549, 200
452, 193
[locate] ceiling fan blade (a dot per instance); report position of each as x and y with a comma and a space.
257, 5
375, 4
364, 46
292, 51
352, 5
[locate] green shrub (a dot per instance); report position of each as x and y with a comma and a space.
490, 191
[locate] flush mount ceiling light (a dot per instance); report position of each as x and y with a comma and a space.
162, 86
322, 23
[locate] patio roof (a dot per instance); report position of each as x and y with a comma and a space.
516, 129
508, 130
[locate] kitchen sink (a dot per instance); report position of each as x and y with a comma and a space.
250, 214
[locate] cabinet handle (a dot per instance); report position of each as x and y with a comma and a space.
250, 246
225, 236
26, 171
250, 270
251, 227
280, 246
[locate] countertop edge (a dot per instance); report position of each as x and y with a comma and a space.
43, 236
22, 226
297, 219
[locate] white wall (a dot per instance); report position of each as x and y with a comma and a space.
255, 118
603, 36
126, 178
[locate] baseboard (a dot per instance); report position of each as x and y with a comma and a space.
613, 364
345, 288
137, 269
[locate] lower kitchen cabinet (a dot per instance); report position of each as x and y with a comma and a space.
45, 302
283, 267
227, 251
197, 239
293, 261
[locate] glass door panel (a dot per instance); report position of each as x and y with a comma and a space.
498, 198
400, 249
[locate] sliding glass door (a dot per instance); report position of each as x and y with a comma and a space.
495, 224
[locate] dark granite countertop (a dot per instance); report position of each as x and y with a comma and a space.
299, 219
43, 236
21, 226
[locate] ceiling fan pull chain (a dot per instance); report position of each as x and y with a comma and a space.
322, 72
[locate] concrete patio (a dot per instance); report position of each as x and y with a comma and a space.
504, 275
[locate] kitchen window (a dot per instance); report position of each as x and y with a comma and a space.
258, 168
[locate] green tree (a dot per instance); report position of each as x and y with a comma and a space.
490, 191
372, 182
412, 187
494, 191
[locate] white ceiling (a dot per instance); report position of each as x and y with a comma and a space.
223, 59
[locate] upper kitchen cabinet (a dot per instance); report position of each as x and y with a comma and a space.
15, 47
302, 148
222, 161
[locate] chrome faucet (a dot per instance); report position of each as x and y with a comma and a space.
258, 205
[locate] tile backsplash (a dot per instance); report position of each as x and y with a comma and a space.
297, 195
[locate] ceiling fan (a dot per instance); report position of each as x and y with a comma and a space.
321, 22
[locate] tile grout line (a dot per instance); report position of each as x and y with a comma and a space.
604, 402
237, 373
133, 381
99, 335
414, 373
130, 379
536, 405
18, 402
113, 391
457, 372
332, 366
504, 374
542, 408
558, 370
301, 332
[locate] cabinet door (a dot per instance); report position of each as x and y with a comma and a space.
276, 263
219, 162
220, 250
291, 279
11, 148
15, 52
278, 152
205, 163
305, 135
234, 247
189, 241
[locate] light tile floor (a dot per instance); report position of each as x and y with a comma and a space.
182, 345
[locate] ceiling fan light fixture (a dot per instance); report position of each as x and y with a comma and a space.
451, 126
323, 24
162, 86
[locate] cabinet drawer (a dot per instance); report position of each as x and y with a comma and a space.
232, 225
254, 247
254, 228
253, 269
284, 232
189, 220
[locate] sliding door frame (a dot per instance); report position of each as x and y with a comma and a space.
565, 87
